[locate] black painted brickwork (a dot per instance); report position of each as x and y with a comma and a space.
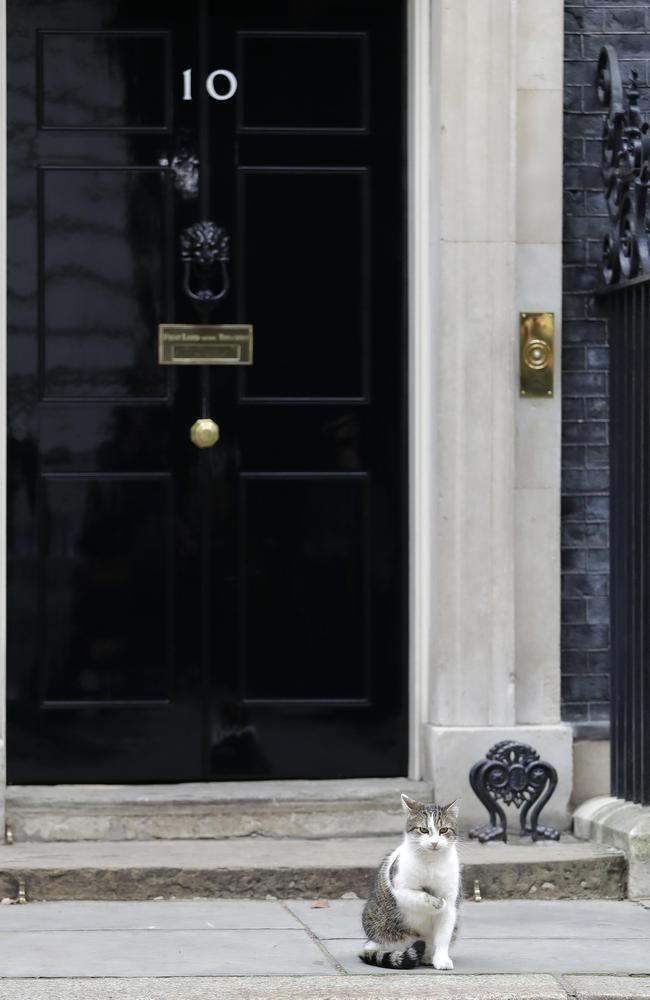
585, 430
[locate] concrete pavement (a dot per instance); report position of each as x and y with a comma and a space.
159, 950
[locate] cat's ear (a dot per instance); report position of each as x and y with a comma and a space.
452, 808
410, 805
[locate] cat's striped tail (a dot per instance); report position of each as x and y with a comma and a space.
373, 954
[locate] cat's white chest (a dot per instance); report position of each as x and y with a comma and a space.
440, 875
442, 879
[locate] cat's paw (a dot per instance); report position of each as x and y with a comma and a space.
442, 962
433, 902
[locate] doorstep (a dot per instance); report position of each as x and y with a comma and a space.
624, 825
256, 867
349, 807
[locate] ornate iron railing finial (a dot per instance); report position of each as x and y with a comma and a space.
513, 772
626, 172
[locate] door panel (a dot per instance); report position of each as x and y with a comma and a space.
306, 284
107, 586
306, 95
178, 614
305, 587
87, 77
99, 308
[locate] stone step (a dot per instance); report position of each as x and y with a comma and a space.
255, 868
305, 809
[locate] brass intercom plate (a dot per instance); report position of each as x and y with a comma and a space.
194, 344
536, 344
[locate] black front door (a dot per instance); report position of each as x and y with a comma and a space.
238, 611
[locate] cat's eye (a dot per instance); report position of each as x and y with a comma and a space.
423, 829
443, 830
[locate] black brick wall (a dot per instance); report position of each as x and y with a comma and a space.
589, 25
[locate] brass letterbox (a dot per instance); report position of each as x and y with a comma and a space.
200, 344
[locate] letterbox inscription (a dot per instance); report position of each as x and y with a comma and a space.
194, 344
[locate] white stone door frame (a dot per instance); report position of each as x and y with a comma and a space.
486, 473
3, 412
421, 244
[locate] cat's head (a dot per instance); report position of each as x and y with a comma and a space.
430, 827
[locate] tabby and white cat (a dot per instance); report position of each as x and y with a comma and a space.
412, 912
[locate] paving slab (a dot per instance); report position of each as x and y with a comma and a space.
225, 938
395, 986
548, 955
85, 915
255, 867
608, 987
159, 953
509, 920
511, 937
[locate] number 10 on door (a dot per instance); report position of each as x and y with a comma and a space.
221, 75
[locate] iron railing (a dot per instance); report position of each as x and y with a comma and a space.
626, 274
629, 330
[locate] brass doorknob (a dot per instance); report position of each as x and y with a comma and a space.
204, 433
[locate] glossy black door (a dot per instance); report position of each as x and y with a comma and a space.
177, 614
